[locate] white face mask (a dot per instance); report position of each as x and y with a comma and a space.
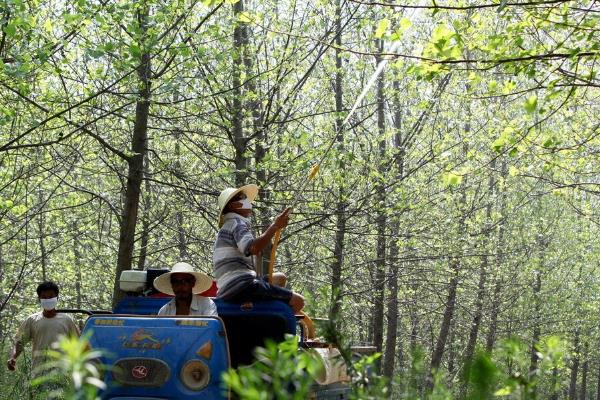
246, 205
49, 304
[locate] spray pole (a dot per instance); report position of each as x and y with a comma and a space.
315, 168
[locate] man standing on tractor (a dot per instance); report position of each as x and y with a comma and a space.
185, 284
43, 328
235, 245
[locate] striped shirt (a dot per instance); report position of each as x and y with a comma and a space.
232, 261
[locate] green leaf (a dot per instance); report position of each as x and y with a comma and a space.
48, 25
405, 23
499, 144
135, 51
531, 104
10, 30
452, 179
505, 391
245, 17
382, 28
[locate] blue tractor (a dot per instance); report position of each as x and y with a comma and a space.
183, 357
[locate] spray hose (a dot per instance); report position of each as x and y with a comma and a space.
315, 170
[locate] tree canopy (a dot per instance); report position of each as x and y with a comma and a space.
449, 206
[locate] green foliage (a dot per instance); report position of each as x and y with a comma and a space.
452, 178
382, 27
506, 151
281, 369
520, 382
366, 384
71, 371
280, 372
482, 375
531, 104
445, 44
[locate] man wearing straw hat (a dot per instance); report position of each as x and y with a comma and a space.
185, 284
235, 245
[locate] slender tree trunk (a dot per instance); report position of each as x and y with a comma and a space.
541, 242
392, 311
554, 389
135, 174
380, 262
340, 212
259, 135
584, 374
574, 369
452, 351
414, 330
145, 234
436, 357
598, 384
474, 329
77, 263
495, 306
481, 289
537, 304
239, 140
392, 304
450, 305
535, 337
179, 220
42, 237
2, 293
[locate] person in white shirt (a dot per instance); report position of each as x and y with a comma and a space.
185, 284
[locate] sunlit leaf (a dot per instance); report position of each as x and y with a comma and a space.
382, 27
531, 104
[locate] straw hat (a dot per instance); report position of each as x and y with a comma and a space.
163, 282
226, 195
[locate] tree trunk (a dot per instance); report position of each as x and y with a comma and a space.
392, 304
450, 306
555, 386
77, 263
2, 294
42, 236
537, 304
535, 337
135, 174
145, 234
260, 151
598, 387
574, 369
179, 221
436, 357
584, 375
340, 212
451, 351
495, 307
481, 289
379, 281
239, 140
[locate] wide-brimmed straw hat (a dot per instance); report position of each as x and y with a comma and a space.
163, 282
226, 195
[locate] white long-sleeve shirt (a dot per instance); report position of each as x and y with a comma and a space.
200, 306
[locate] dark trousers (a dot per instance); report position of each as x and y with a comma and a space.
259, 289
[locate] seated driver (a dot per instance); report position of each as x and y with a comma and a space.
185, 284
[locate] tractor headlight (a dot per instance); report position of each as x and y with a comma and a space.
195, 375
